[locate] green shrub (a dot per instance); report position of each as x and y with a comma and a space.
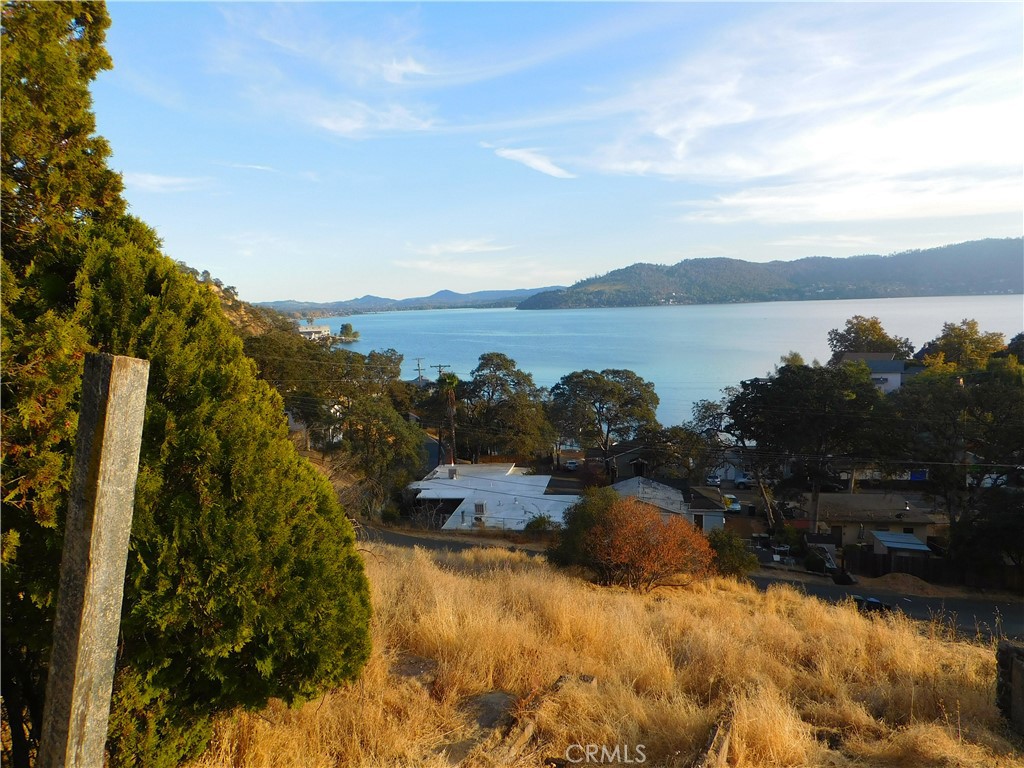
541, 524
732, 558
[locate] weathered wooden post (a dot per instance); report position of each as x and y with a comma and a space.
92, 567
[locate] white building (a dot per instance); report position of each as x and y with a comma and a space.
315, 332
501, 496
669, 501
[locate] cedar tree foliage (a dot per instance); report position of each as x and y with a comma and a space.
243, 581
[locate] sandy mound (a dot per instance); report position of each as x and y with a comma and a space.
905, 584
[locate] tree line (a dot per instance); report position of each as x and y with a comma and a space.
243, 580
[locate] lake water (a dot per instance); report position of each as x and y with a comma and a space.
689, 352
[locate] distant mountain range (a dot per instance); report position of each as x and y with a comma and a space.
975, 268
966, 269
439, 300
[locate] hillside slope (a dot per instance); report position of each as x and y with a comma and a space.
491, 658
979, 267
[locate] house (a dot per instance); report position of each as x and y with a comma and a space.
315, 332
506, 497
854, 517
887, 373
671, 502
494, 496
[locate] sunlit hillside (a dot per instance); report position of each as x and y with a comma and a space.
492, 658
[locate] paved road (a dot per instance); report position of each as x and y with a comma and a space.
971, 616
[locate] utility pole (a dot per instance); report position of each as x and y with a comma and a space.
451, 413
92, 565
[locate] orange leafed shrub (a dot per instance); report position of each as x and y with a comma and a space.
633, 547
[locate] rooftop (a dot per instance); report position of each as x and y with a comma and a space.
902, 541
652, 492
491, 495
870, 507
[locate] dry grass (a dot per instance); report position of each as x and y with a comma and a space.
790, 680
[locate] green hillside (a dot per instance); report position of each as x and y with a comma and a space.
974, 268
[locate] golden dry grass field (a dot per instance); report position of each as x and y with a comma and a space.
492, 658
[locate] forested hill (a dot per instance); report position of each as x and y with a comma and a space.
439, 300
978, 267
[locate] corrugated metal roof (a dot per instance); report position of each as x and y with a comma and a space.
492, 495
904, 541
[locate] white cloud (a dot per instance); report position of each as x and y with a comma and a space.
819, 112
152, 182
462, 273
813, 243
457, 247
861, 200
354, 119
531, 158
397, 71
252, 167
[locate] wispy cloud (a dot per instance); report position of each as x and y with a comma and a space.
252, 167
532, 158
459, 247
355, 119
861, 200
796, 118
398, 70
152, 182
807, 243
461, 272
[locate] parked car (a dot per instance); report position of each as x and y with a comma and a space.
744, 481
571, 465
713, 480
732, 504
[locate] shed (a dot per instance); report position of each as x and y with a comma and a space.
887, 543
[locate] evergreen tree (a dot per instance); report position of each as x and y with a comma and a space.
243, 581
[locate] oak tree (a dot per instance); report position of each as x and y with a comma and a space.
866, 334
604, 408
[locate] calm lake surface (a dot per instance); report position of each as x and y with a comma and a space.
689, 352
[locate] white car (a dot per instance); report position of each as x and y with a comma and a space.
732, 504
571, 465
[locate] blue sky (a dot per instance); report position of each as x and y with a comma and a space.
323, 151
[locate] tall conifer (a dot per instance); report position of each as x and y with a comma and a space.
243, 580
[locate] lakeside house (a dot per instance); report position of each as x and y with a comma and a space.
315, 332
495, 496
506, 497
671, 502
852, 518
887, 373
